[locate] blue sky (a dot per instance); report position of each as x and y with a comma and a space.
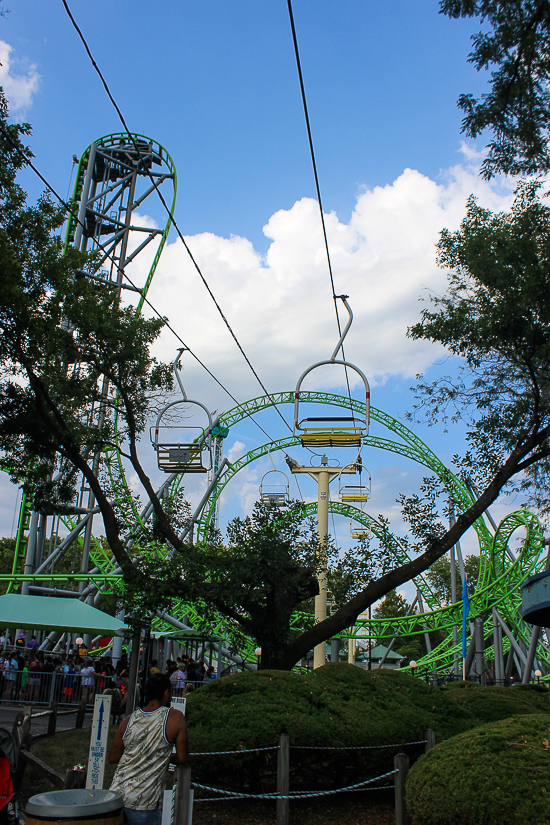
216, 84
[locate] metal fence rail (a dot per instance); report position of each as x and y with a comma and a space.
43, 688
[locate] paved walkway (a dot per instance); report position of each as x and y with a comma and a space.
8, 712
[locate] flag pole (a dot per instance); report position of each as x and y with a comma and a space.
465, 611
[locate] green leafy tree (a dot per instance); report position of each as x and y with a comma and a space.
393, 604
396, 605
265, 571
514, 45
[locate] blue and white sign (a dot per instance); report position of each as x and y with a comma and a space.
98, 742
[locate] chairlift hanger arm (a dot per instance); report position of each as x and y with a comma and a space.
176, 365
207, 430
346, 328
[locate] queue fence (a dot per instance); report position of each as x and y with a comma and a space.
183, 797
42, 688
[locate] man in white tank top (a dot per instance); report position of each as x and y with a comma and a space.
142, 747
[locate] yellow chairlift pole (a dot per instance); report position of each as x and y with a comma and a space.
323, 475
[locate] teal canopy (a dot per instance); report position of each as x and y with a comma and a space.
52, 613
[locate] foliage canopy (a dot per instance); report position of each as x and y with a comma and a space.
514, 44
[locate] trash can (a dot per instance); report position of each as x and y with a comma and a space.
76, 806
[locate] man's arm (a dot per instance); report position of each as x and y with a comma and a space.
117, 748
176, 733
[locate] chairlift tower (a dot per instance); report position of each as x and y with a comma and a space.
323, 475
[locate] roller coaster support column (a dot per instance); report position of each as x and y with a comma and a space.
499, 659
535, 636
480, 650
323, 475
527, 673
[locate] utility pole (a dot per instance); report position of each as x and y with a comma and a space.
323, 475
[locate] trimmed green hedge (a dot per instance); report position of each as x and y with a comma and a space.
493, 703
498, 774
338, 704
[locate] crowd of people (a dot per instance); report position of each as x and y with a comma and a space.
185, 674
31, 675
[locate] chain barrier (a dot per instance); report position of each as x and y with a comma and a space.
293, 795
311, 748
244, 750
356, 747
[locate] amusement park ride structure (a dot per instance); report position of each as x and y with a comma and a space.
115, 176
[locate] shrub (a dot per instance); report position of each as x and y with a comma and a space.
497, 773
336, 705
493, 703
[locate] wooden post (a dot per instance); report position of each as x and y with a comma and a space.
52, 721
17, 730
401, 763
26, 728
283, 779
80, 714
133, 674
182, 781
430, 740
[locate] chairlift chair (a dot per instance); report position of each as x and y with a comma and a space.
192, 452
354, 492
333, 431
358, 532
275, 492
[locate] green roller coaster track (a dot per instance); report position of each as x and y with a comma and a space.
499, 579
500, 576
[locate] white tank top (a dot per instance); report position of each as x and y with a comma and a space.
141, 773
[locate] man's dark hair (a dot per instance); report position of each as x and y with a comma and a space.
156, 686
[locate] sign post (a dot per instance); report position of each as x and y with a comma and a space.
98, 741
169, 798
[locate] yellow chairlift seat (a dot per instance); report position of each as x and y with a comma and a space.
359, 533
183, 448
335, 436
334, 431
354, 493
181, 458
275, 492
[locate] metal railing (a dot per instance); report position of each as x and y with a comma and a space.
42, 688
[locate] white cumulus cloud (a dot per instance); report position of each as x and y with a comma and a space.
19, 87
280, 305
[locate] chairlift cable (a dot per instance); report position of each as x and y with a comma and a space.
171, 217
315, 175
